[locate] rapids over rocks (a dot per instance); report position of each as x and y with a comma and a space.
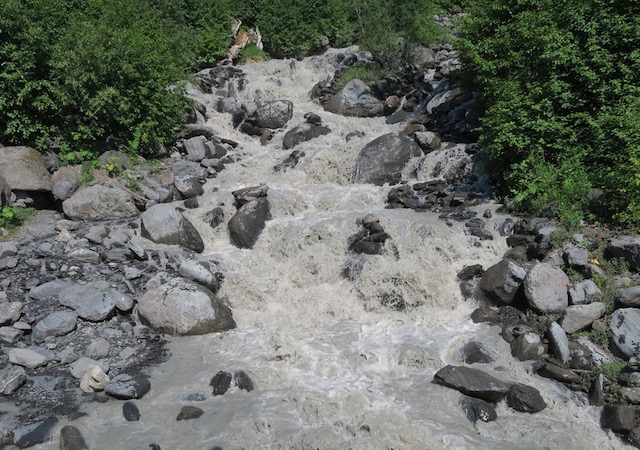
337, 362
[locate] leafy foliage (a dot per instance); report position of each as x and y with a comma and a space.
11, 218
561, 84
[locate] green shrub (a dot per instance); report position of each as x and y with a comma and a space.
365, 73
251, 53
11, 218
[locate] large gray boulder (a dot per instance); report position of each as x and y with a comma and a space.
248, 222
98, 202
24, 169
303, 133
273, 114
188, 169
625, 331
57, 323
627, 247
164, 224
579, 317
383, 159
501, 281
94, 301
472, 382
546, 288
182, 308
5, 192
629, 296
355, 99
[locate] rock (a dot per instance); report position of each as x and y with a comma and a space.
188, 186
273, 114
71, 439
355, 99
472, 382
627, 247
576, 257
198, 148
303, 133
27, 358
5, 192
312, 118
629, 297
221, 382
248, 222
200, 273
579, 317
596, 391
428, 141
98, 349
383, 159
187, 169
527, 346
290, 161
58, 323
214, 217
243, 381
189, 412
580, 357
470, 272
127, 388
95, 301
64, 189
114, 161
245, 195
546, 287
631, 395
476, 352
181, 307
164, 224
558, 373
501, 281
94, 380
625, 330
477, 409
525, 398
620, 418
584, 292
445, 100
81, 365
84, 255
49, 289
559, 342
98, 202
8, 249
10, 312
11, 379
39, 435
24, 169
130, 412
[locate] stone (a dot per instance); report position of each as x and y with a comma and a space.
11, 379
546, 288
383, 159
97, 349
470, 272
579, 317
525, 398
188, 187
187, 169
189, 412
559, 342
584, 292
8, 249
10, 335
84, 255
72, 439
273, 114
303, 133
625, 331
559, 373
130, 412
48, 290
475, 352
94, 380
627, 247
114, 161
527, 346
580, 357
39, 435
27, 358
164, 224
5, 192
596, 391
472, 382
200, 272
355, 99
477, 409
95, 301
97, 202
24, 169
64, 189
629, 297
243, 381
81, 365
501, 281
127, 389
57, 323
247, 223
10, 312
221, 382
428, 141
620, 418
576, 256
214, 217
182, 308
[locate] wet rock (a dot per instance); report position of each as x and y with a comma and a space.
629, 297
625, 330
579, 317
558, 373
98, 202
470, 272
200, 272
130, 412
188, 186
125, 387
501, 281
383, 159
243, 381
27, 358
477, 409
475, 352
290, 162
525, 398
303, 133
627, 247
39, 435
559, 342
273, 114
72, 439
620, 418
428, 141
189, 412
312, 118
546, 288
24, 169
58, 323
214, 217
11, 379
355, 99
484, 314
182, 308
187, 169
95, 301
164, 224
527, 346
221, 382
247, 223
584, 292
245, 195
472, 382
596, 391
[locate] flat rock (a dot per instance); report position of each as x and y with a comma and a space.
303, 133
57, 323
127, 389
472, 382
164, 224
27, 358
98, 202
525, 398
72, 439
580, 317
95, 301
39, 435
559, 373
200, 272
546, 288
625, 330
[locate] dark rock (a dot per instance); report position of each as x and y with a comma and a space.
355, 99
248, 222
596, 391
484, 314
221, 382
189, 412
290, 162
130, 412
527, 346
470, 272
501, 281
303, 133
472, 382
525, 398
245, 195
127, 388
312, 118
164, 224
72, 439
476, 352
243, 381
627, 247
625, 330
620, 418
39, 435
188, 186
214, 217
558, 373
477, 409
191, 203
383, 159
273, 114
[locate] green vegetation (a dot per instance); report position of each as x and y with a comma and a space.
561, 89
365, 73
11, 218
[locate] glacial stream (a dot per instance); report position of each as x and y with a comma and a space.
334, 367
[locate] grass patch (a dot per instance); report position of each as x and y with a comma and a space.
11, 218
366, 73
251, 53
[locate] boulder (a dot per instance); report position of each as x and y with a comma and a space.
94, 301
627, 247
201, 273
629, 297
501, 281
355, 99
57, 323
64, 189
248, 222
5, 192
188, 187
181, 307
428, 141
71, 439
625, 330
576, 257
477, 409
579, 317
98, 202
472, 382
525, 398
619, 418
475, 352
527, 346
546, 288
114, 161
125, 387
559, 342
24, 169
383, 159
584, 292
303, 133
273, 114
186, 169
164, 224
27, 358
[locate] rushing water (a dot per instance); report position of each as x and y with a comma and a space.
332, 366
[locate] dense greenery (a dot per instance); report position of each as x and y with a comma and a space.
561, 87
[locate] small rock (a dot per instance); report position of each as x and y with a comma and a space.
476, 352
11, 379
525, 398
39, 435
477, 409
579, 317
189, 412
130, 411
133, 388
27, 358
221, 382
243, 381
71, 439
94, 380
619, 418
